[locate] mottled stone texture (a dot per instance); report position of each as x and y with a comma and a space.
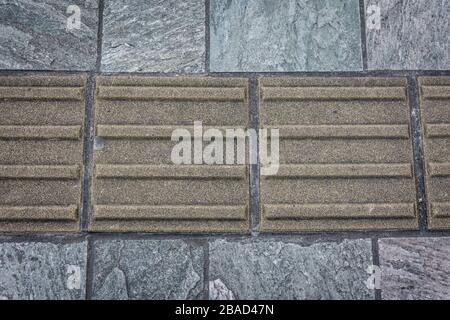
277, 270
154, 36
286, 35
413, 34
42, 271
415, 268
33, 35
167, 269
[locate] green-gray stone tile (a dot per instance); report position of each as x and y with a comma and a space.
412, 35
33, 35
154, 36
286, 35
261, 269
38, 271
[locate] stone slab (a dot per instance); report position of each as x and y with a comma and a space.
148, 269
415, 268
289, 35
271, 269
43, 271
34, 35
154, 36
346, 159
41, 152
435, 115
136, 185
411, 35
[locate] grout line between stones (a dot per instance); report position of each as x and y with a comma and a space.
254, 204
90, 269
416, 129
207, 35
362, 12
206, 270
376, 262
366, 73
101, 6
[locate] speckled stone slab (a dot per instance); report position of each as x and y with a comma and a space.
408, 35
41, 152
346, 159
415, 268
137, 186
155, 270
154, 36
34, 35
41, 271
435, 116
277, 270
288, 35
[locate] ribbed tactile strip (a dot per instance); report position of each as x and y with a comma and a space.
41, 152
345, 155
435, 115
136, 186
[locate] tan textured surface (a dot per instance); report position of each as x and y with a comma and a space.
435, 115
345, 155
41, 152
136, 186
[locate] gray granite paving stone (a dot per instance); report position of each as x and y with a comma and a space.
42, 271
413, 35
154, 36
415, 268
33, 35
287, 35
278, 270
153, 269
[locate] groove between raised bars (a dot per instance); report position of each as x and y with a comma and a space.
333, 93
35, 213
339, 211
39, 172
169, 212
42, 93
342, 171
171, 93
343, 131
171, 171
148, 132
40, 132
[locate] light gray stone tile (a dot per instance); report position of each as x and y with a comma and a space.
33, 35
412, 35
154, 36
148, 269
286, 35
43, 271
276, 270
415, 268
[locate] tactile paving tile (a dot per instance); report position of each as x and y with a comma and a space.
41, 152
435, 115
136, 186
346, 158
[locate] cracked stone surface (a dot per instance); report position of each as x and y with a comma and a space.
38, 271
412, 35
148, 269
154, 36
33, 35
287, 35
279, 270
415, 268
